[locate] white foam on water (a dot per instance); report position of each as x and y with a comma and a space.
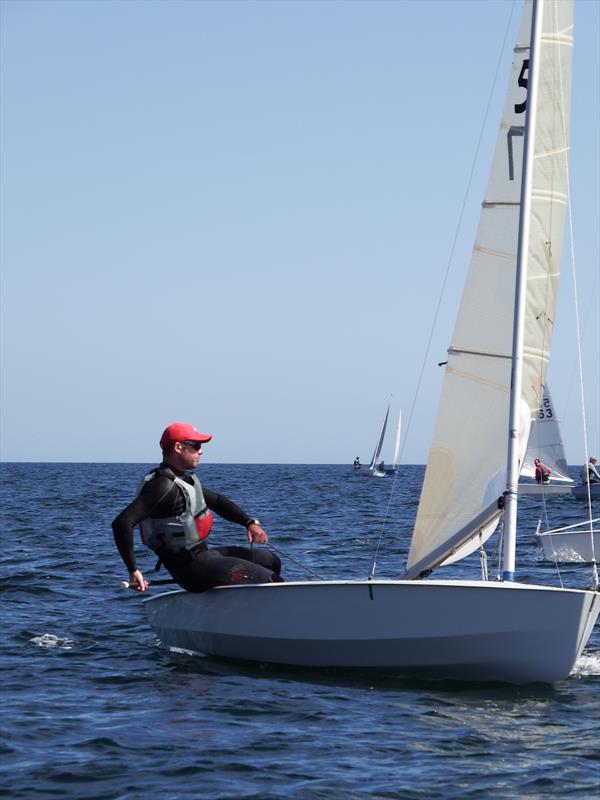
587, 664
50, 640
185, 652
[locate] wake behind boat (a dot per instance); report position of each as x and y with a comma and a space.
579, 543
493, 385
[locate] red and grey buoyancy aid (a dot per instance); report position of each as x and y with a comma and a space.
184, 531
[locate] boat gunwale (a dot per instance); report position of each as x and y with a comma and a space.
464, 584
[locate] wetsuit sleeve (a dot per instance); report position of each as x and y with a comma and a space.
226, 508
159, 497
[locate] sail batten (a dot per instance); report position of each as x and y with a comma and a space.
499, 204
457, 351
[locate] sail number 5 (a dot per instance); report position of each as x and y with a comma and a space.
522, 81
517, 130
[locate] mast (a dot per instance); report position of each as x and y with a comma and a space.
516, 385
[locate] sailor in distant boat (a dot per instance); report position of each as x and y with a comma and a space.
174, 513
589, 473
357, 464
542, 472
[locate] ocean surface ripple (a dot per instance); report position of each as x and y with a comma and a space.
94, 707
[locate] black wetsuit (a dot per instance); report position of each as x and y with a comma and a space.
203, 567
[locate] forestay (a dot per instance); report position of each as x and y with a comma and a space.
466, 469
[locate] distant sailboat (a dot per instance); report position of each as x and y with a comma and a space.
588, 487
545, 443
374, 468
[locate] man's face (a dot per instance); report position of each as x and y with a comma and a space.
187, 454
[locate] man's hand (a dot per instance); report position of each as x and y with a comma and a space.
257, 534
141, 584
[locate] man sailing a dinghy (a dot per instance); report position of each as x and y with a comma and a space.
589, 472
174, 513
542, 472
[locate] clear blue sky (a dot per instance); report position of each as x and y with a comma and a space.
239, 214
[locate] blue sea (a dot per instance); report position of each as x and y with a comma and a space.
94, 707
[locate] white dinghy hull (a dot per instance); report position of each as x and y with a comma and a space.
369, 472
463, 630
553, 489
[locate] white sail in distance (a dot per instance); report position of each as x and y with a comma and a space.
397, 442
545, 443
379, 445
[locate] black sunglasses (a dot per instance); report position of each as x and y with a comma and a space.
193, 445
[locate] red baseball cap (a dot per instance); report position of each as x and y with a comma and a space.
182, 432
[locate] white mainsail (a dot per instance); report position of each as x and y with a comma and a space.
545, 443
466, 469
